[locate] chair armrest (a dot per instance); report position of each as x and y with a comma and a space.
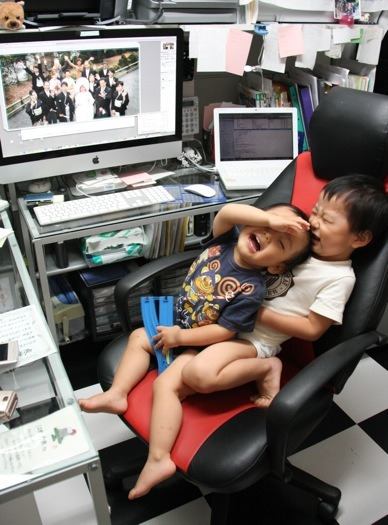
300, 389
146, 272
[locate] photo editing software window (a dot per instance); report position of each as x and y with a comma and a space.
139, 72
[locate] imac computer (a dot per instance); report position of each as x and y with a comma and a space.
50, 139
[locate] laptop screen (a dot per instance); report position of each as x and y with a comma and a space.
255, 134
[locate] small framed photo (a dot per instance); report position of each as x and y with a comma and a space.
344, 8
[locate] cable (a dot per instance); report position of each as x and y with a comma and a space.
158, 15
200, 144
258, 68
107, 22
82, 192
152, 167
198, 166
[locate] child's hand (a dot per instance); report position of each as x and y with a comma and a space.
168, 337
287, 224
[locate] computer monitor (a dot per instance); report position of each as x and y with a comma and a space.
147, 60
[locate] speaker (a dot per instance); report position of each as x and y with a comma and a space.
200, 224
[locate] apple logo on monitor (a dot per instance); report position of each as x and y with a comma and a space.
96, 160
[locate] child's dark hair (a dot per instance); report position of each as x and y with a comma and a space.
366, 204
304, 254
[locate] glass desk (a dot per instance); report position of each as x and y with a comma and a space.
43, 390
37, 238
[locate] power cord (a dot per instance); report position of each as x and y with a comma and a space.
153, 20
192, 156
200, 146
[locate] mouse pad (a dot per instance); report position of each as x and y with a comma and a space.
182, 196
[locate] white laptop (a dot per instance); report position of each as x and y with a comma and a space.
252, 146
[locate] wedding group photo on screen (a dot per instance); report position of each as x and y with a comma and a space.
61, 88
109, 96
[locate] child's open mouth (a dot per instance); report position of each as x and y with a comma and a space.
254, 242
315, 238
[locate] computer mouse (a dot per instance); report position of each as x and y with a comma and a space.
200, 189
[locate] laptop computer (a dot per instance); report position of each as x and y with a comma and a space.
252, 146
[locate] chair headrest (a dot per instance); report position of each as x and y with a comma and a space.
348, 133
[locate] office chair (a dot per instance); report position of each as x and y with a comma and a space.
226, 444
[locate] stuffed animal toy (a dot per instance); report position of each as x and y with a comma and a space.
12, 15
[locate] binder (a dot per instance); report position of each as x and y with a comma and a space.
305, 78
292, 87
306, 104
302, 135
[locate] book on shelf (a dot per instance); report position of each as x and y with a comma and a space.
306, 105
281, 95
251, 97
302, 134
306, 78
168, 237
292, 87
358, 82
162, 245
183, 233
332, 75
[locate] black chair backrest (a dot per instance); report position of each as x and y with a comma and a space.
348, 134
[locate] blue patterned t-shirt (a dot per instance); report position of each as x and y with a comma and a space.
218, 290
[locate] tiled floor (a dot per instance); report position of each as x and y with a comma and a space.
354, 457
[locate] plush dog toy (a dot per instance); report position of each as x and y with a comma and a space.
12, 15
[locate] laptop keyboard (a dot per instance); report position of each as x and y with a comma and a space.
251, 170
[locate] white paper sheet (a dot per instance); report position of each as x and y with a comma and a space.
271, 59
36, 445
25, 326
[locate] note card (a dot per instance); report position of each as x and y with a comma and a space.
290, 40
271, 59
25, 326
41, 443
238, 45
221, 49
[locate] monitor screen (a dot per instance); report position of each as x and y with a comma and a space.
76, 100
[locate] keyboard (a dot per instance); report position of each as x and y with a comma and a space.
101, 205
253, 171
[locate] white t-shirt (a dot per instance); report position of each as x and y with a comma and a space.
319, 286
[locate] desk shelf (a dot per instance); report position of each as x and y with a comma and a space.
43, 388
39, 245
76, 260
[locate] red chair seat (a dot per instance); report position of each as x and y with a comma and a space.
202, 418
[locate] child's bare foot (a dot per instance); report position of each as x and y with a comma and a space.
269, 386
154, 472
110, 401
262, 400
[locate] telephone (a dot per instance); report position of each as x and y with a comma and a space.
190, 116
